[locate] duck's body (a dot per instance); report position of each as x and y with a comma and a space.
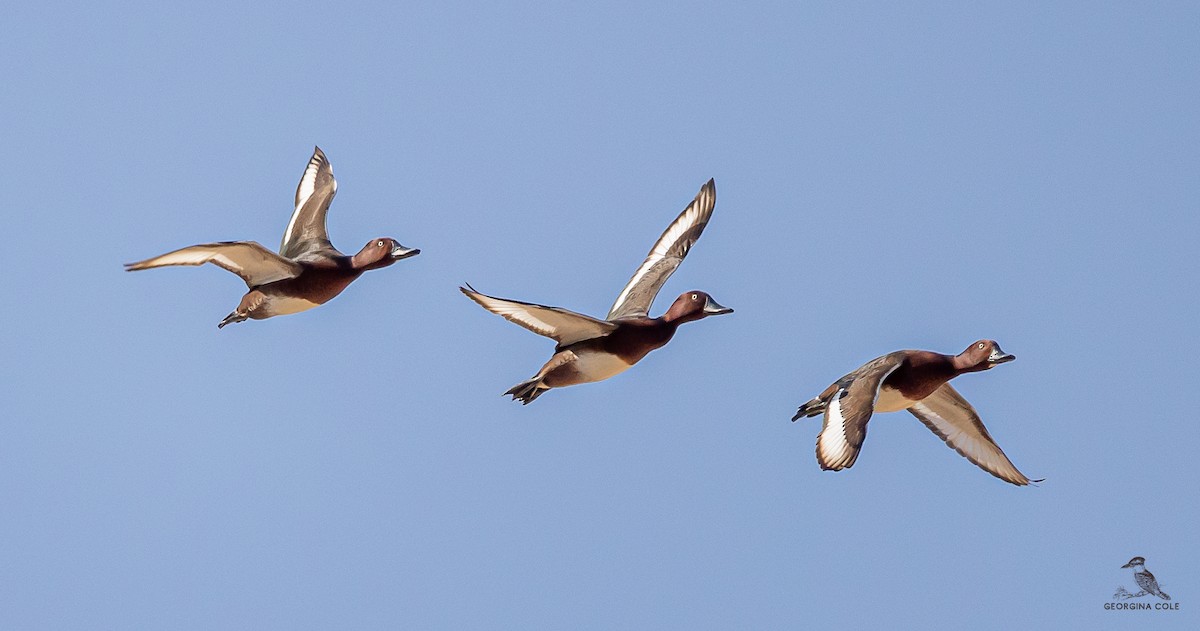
307, 272
917, 381
599, 358
316, 285
590, 349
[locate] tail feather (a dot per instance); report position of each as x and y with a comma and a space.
811, 408
527, 391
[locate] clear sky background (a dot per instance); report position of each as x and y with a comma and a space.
887, 177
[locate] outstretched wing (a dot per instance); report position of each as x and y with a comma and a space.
306, 232
666, 255
845, 425
566, 327
254, 263
953, 419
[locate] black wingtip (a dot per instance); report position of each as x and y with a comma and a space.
1027, 481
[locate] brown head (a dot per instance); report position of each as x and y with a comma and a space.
381, 253
693, 305
982, 355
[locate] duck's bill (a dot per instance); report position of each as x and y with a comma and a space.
999, 357
401, 252
712, 308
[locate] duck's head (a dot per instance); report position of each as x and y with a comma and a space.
694, 305
382, 252
982, 355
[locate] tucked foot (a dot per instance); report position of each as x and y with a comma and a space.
527, 391
233, 317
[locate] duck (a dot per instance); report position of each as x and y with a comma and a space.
590, 349
307, 272
917, 381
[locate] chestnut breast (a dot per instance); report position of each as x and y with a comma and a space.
315, 284
921, 373
633, 339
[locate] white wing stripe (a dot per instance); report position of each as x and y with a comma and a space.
664, 245
194, 257
975, 447
698, 210
838, 451
519, 313
308, 184
254, 263
567, 327
833, 442
953, 432
184, 257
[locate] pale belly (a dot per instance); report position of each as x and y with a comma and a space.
281, 305
890, 400
597, 366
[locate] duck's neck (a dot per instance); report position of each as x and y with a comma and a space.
934, 365
667, 322
962, 365
360, 263
677, 315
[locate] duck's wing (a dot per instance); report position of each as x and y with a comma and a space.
953, 419
848, 410
306, 233
254, 263
666, 255
566, 327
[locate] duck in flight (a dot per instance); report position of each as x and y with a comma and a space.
590, 349
308, 271
917, 381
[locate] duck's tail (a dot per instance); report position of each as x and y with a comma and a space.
811, 408
527, 391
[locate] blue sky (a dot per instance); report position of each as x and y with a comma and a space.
887, 177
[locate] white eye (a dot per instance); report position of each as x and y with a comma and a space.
981, 346
380, 244
695, 297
